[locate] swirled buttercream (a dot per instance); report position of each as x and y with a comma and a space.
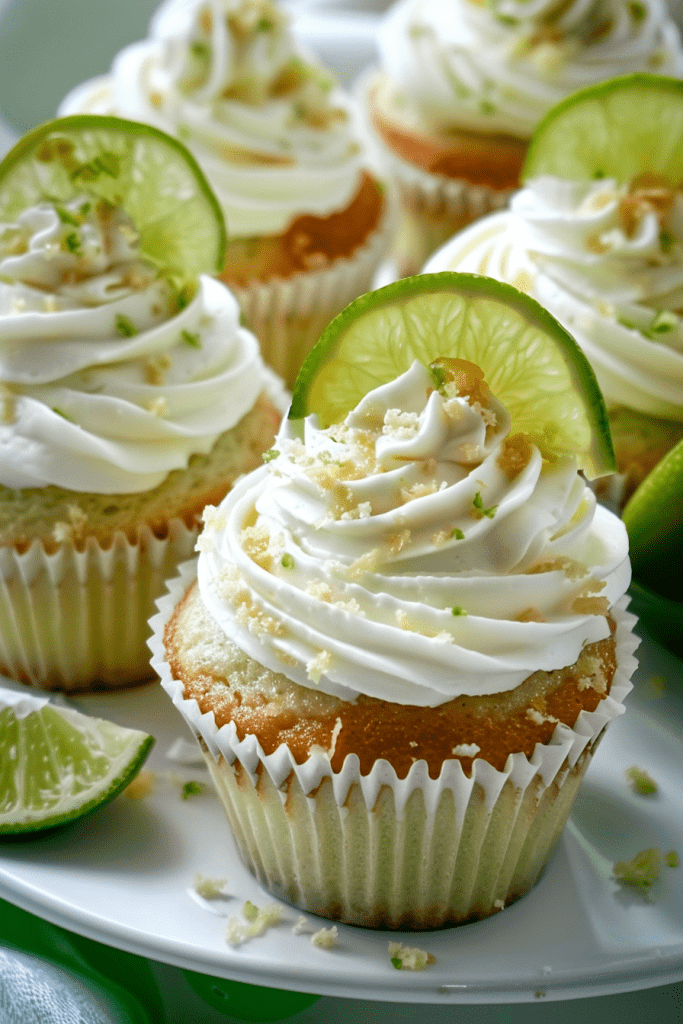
607, 261
108, 378
414, 552
499, 66
274, 135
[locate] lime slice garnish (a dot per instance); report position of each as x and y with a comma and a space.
653, 517
57, 764
624, 128
150, 175
530, 362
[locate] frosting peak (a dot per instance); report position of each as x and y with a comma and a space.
415, 551
109, 377
275, 136
499, 66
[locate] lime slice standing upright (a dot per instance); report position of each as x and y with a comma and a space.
57, 764
149, 174
625, 128
530, 362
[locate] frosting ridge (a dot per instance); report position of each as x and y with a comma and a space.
274, 135
413, 553
500, 66
109, 376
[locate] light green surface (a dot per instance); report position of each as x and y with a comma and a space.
30, 59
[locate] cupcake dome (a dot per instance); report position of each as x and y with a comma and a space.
279, 141
405, 637
461, 87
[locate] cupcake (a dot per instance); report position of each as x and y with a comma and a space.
605, 256
307, 217
131, 396
462, 84
399, 647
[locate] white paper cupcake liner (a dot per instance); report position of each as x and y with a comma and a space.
288, 315
77, 619
433, 208
381, 851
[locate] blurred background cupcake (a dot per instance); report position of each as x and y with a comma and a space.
307, 216
131, 395
596, 236
406, 633
462, 85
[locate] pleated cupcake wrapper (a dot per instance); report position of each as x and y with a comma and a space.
288, 315
382, 851
432, 208
77, 618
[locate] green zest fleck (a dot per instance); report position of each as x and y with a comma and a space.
457, 610
66, 217
637, 10
124, 326
666, 241
642, 783
641, 872
457, 533
664, 322
439, 376
397, 962
479, 505
190, 339
250, 911
184, 296
487, 107
287, 561
598, 173
271, 454
199, 49
671, 859
60, 412
191, 788
72, 243
106, 163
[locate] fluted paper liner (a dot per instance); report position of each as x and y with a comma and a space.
381, 851
288, 315
77, 618
431, 208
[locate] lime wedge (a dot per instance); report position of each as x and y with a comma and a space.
530, 362
653, 517
624, 128
150, 175
57, 764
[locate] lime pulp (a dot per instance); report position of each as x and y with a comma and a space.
57, 764
530, 362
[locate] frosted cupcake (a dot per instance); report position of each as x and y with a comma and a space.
401, 643
130, 397
463, 84
605, 256
307, 218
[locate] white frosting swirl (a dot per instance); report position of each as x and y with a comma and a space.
498, 66
274, 136
104, 386
607, 261
393, 555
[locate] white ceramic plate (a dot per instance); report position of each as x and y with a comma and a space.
124, 876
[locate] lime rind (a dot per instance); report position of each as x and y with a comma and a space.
57, 765
622, 128
150, 174
653, 517
530, 361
